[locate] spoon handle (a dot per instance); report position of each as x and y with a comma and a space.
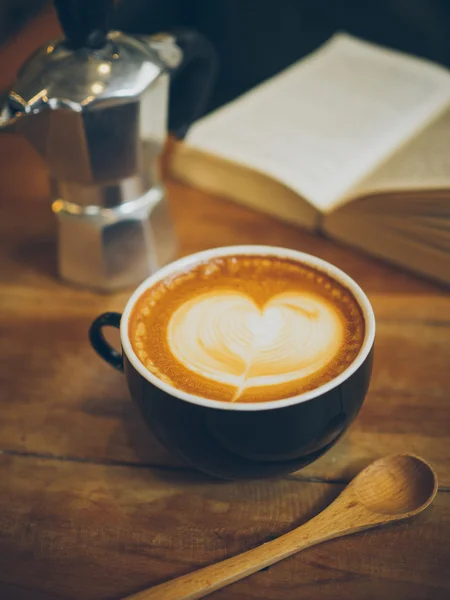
325, 526
388, 490
209, 579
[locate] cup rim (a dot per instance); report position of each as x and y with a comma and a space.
192, 260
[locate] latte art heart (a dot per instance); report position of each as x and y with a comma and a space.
225, 337
247, 328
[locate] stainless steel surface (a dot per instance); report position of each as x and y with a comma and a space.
111, 249
99, 119
124, 181
97, 109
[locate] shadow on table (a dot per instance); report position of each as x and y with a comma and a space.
151, 454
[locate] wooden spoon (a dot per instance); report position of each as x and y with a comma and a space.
390, 489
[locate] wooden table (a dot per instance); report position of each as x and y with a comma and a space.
92, 507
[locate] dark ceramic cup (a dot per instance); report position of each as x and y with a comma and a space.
242, 440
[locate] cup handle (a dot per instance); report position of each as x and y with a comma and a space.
98, 342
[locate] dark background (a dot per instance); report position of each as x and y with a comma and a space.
257, 38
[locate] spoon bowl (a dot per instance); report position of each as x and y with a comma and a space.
400, 486
390, 489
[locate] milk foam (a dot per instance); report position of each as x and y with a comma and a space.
224, 336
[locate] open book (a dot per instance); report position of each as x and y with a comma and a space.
353, 140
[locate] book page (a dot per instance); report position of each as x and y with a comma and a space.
327, 121
421, 164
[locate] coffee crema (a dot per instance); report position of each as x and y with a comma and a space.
247, 329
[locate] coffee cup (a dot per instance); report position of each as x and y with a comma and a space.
234, 440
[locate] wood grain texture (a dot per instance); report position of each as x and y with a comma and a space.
91, 506
76, 531
81, 398
390, 489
